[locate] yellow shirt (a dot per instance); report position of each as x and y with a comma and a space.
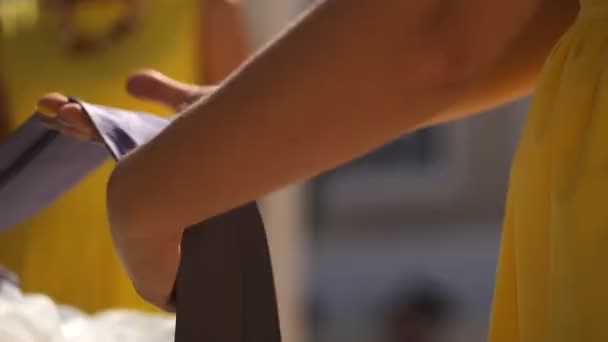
66, 250
552, 283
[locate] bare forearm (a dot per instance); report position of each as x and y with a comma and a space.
315, 99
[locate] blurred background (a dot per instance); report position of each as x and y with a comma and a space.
400, 245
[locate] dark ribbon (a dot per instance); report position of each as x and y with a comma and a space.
224, 289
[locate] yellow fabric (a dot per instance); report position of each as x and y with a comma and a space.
66, 250
552, 283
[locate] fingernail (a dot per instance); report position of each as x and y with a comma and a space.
46, 111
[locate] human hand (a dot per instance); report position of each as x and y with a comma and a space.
70, 119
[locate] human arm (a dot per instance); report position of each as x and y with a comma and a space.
301, 109
378, 70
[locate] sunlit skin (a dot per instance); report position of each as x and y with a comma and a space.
298, 104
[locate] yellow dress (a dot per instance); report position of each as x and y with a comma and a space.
66, 250
552, 283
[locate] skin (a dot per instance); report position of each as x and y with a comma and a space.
292, 110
